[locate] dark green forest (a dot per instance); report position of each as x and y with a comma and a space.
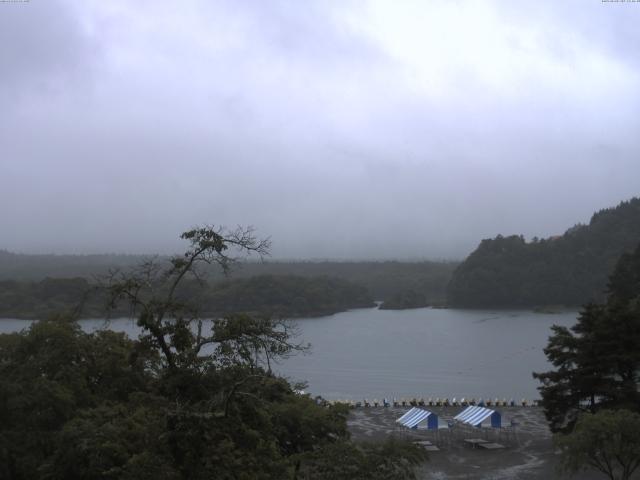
405, 300
33, 286
266, 295
383, 279
182, 401
102, 406
568, 270
597, 361
590, 396
286, 296
23, 267
506, 271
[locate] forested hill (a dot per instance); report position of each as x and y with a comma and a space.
383, 279
270, 295
18, 266
569, 270
285, 296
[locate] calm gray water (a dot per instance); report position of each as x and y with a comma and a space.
423, 352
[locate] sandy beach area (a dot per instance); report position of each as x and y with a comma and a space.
528, 453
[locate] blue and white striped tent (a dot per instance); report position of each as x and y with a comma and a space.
415, 416
475, 415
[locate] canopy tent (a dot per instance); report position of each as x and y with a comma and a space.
415, 416
475, 415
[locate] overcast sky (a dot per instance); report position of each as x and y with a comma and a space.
342, 129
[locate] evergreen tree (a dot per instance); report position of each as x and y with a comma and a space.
608, 441
597, 361
570, 269
189, 399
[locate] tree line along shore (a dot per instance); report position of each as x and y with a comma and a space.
102, 405
563, 271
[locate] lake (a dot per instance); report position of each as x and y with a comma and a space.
425, 352
422, 352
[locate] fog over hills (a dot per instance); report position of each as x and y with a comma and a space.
342, 130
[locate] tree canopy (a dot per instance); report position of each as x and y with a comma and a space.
21, 295
597, 361
191, 398
571, 269
405, 300
608, 441
269, 295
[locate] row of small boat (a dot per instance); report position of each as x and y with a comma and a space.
437, 402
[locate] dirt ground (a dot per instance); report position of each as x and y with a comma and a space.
528, 454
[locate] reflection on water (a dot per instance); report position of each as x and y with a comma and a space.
421, 352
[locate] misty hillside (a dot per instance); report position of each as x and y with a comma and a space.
270, 295
15, 266
285, 296
382, 279
570, 270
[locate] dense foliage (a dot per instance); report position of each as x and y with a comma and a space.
405, 300
364, 461
34, 300
24, 267
189, 399
607, 441
78, 405
597, 361
267, 295
383, 280
286, 296
568, 270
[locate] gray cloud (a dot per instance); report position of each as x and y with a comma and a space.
340, 129
44, 49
